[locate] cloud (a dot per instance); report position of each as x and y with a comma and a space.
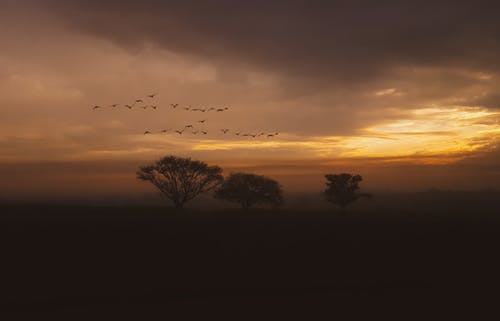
340, 41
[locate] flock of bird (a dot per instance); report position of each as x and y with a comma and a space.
190, 128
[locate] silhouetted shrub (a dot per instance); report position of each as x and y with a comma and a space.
181, 179
250, 189
342, 189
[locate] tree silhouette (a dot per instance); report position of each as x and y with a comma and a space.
181, 179
342, 189
250, 189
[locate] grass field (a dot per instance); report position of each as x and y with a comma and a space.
80, 259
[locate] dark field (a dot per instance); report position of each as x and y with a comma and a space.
77, 261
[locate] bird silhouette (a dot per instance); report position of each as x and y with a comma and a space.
174, 105
165, 130
270, 135
202, 121
152, 95
128, 106
153, 106
179, 131
114, 105
203, 132
238, 133
188, 126
187, 108
139, 101
96, 107
224, 130
147, 132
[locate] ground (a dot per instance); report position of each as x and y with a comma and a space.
80, 259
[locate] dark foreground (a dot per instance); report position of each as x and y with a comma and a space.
92, 262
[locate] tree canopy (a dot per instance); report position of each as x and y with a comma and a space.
250, 189
342, 189
181, 179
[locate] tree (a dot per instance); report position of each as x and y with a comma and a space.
250, 189
181, 179
342, 189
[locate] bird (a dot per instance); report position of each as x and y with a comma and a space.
253, 135
128, 106
174, 105
211, 108
261, 134
179, 131
270, 135
147, 132
203, 110
219, 110
224, 130
165, 130
153, 106
187, 108
139, 101
201, 121
96, 107
143, 107
188, 126
203, 132
114, 105
238, 133
152, 95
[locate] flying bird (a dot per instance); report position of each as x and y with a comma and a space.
203, 132
153, 106
187, 108
138, 101
114, 105
174, 105
179, 131
201, 121
188, 126
165, 130
152, 95
147, 132
224, 130
96, 107
128, 106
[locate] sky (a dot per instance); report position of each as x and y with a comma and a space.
405, 93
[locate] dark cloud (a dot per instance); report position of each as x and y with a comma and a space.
343, 41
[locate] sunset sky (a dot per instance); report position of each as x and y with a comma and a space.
406, 93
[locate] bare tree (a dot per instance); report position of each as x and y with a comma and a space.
181, 179
250, 189
342, 189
